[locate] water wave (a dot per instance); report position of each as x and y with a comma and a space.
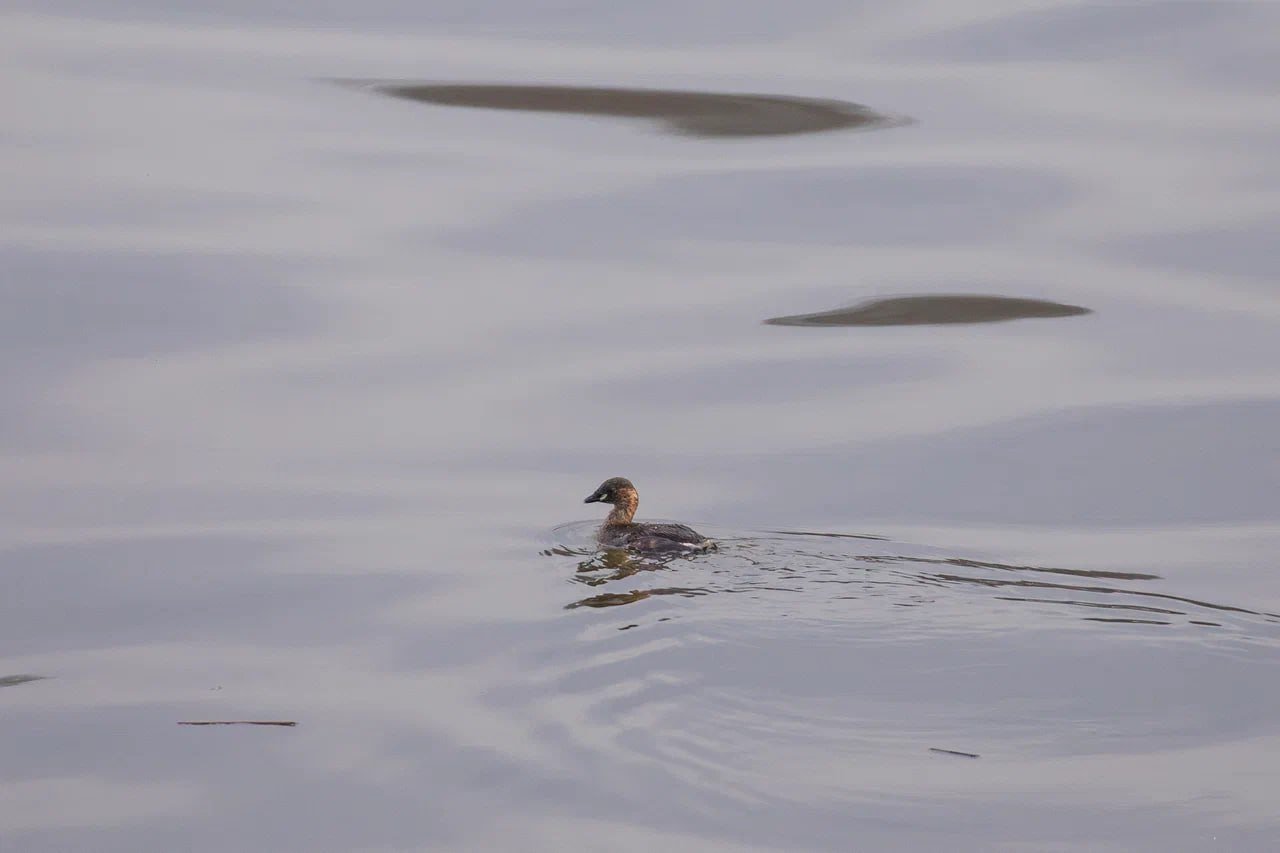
841, 577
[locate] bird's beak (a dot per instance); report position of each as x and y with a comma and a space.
593, 499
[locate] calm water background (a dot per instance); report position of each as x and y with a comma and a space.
304, 386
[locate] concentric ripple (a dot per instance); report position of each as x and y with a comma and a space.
843, 663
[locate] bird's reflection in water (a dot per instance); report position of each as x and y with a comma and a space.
614, 564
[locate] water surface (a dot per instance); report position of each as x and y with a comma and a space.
305, 385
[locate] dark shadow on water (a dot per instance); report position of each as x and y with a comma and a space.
933, 310
1083, 573
702, 114
14, 680
830, 535
1126, 621
1103, 590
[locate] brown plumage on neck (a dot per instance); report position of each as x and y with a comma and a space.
626, 501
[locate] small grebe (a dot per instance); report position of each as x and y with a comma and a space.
620, 531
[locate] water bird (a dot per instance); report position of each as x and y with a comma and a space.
621, 531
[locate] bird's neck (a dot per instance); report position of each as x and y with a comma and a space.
623, 511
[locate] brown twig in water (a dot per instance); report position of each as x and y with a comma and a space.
237, 723
955, 752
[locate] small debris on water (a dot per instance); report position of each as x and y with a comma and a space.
954, 752
237, 723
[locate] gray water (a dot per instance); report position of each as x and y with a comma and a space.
957, 325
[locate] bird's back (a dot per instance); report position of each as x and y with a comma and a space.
646, 536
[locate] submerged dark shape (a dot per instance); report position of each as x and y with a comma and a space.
933, 310
620, 531
708, 114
